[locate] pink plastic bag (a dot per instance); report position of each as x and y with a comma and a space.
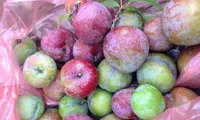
35, 18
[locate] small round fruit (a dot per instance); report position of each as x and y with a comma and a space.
129, 18
78, 117
92, 22
24, 49
186, 55
121, 104
111, 79
54, 91
157, 74
93, 53
58, 44
154, 32
51, 114
79, 77
39, 70
99, 102
147, 102
111, 116
30, 107
126, 48
182, 28
182, 95
160, 57
69, 105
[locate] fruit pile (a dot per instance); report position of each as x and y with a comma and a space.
114, 66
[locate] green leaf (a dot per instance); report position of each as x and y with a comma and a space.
151, 2
147, 17
132, 9
65, 17
110, 3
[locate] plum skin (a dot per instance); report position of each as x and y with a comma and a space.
111, 79
51, 114
182, 28
147, 102
121, 104
92, 22
154, 32
30, 107
79, 77
78, 117
126, 48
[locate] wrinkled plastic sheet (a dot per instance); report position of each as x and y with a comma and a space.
34, 18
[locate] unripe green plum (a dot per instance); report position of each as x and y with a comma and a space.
160, 57
129, 18
99, 102
24, 49
30, 107
111, 79
69, 105
157, 74
147, 102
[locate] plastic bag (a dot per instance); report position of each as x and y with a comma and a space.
34, 18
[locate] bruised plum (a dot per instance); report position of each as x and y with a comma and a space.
78, 117
154, 32
92, 22
181, 22
58, 44
93, 53
121, 104
126, 48
186, 55
54, 90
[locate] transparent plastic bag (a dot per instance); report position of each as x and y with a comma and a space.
34, 18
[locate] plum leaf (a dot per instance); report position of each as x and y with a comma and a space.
110, 3
151, 2
65, 17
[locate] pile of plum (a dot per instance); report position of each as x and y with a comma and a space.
110, 72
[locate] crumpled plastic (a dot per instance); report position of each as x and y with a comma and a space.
34, 18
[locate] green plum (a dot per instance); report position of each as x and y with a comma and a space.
111, 116
130, 18
160, 57
157, 74
39, 70
111, 79
99, 102
24, 49
147, 102
70, 105
30, 107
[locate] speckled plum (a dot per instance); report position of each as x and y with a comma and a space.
154, 32
51, 114
121, 104
126, 48
91, 52
79, 77
58, 44
180, 21
92, 22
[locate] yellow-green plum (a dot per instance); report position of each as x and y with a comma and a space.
39, 70
30, 107
147, 102
111, 79
111, 116
24, 49
99, 102
70, 105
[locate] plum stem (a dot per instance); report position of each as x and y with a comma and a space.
79, 75
84, 101
95, 58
